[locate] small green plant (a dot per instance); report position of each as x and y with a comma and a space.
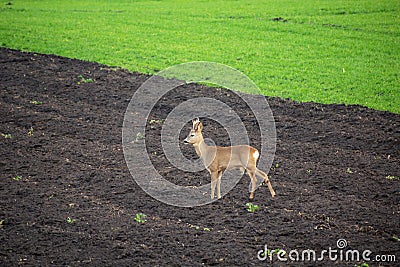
140, 217
275, 167
309, 171
36, 102
156, 121
251, 207
84, 80
30, 132
139, 136
362, 265
70, 220
396, 238
152, 122
349, 171
1, 223
392, 177
6, 136
199, 228
17, 178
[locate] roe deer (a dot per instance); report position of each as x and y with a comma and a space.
218, 159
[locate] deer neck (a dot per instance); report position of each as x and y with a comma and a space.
206, 153
201, 148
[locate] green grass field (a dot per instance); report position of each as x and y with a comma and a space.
323, 51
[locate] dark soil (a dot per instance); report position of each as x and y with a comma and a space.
335, 172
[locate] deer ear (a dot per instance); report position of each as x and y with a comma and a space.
195, 122
199, 126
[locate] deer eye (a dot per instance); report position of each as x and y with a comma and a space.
191, 135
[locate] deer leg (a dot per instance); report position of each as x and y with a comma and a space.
253, 183
214, 180
219, 184
265, 176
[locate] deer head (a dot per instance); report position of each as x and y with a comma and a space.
195, 136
